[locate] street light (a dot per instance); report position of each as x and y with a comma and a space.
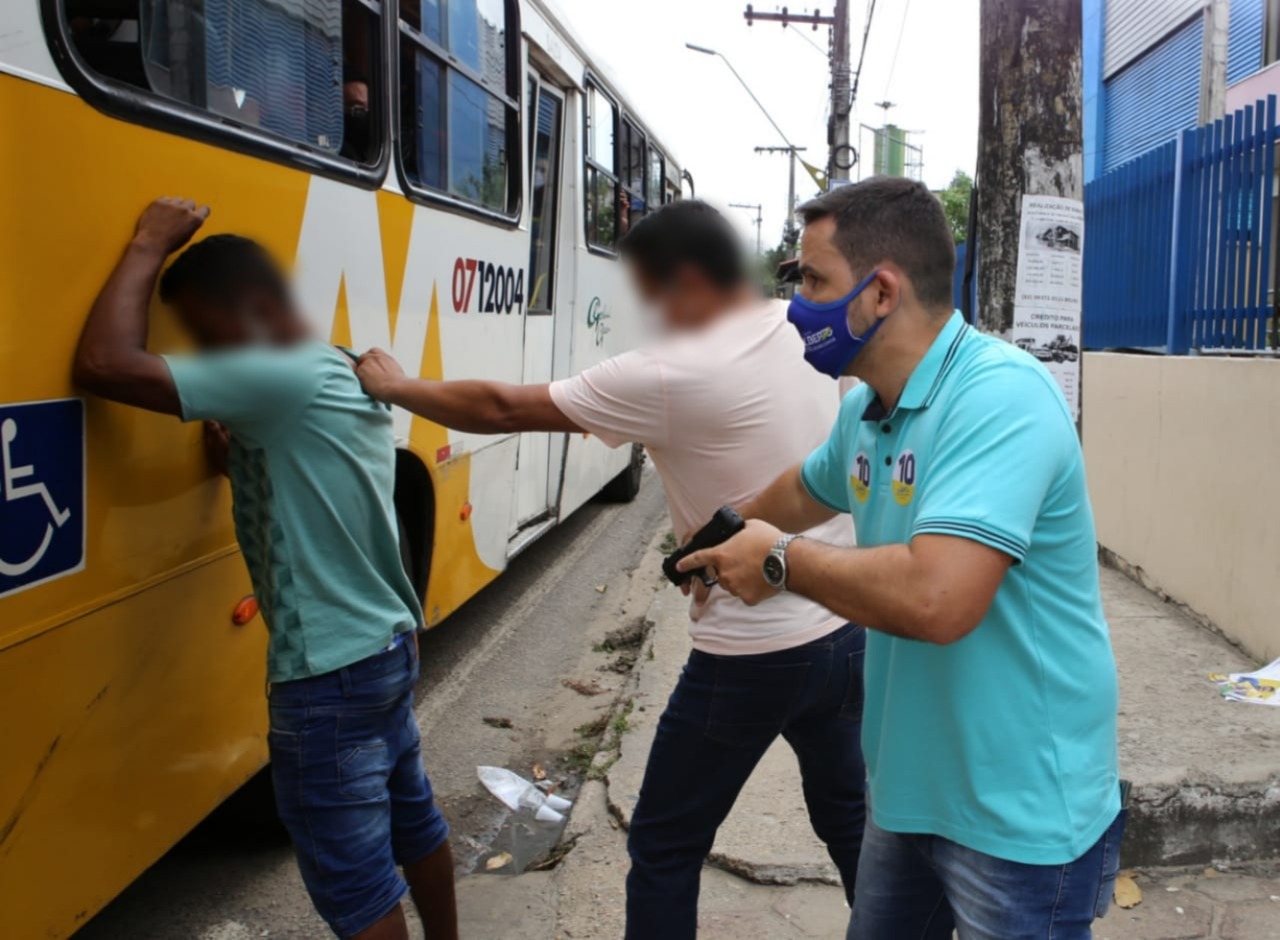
705, 51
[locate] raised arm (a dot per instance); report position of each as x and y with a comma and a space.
112, 359
787, 505
473, 406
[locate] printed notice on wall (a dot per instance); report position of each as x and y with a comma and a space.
1046, 313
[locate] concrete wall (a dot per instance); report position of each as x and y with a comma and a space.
1183, 458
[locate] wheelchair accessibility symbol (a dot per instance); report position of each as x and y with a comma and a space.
41, 492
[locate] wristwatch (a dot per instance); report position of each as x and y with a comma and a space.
775, 563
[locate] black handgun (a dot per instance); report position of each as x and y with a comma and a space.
724, 525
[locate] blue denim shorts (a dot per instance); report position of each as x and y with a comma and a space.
350, 787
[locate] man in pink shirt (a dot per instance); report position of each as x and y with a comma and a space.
724, 402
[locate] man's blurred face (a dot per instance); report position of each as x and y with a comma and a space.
682, 302
219, 324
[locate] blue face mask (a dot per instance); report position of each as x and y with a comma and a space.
829, 344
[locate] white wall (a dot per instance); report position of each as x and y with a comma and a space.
1183, 458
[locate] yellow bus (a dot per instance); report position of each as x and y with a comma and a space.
449, 179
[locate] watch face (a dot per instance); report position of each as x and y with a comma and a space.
774, 570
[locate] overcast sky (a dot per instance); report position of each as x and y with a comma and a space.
702, 114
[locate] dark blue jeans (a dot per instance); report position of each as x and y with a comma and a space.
346, 760
723, 715
921, 887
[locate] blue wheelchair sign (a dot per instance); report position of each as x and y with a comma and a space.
42, 487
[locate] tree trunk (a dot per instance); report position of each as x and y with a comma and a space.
1030, 137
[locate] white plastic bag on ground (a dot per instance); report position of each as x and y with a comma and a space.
518, 793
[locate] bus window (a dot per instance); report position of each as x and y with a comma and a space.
632, 176
602, 183
657, 172
458, 111
545, 109
301, 72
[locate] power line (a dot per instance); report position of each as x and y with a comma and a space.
902, 28
866, 33
824, 53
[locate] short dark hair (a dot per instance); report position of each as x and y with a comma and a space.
895, 219
221, 268
683, 232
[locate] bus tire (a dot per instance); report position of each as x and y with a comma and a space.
624, 487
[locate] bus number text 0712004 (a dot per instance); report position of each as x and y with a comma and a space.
500, 289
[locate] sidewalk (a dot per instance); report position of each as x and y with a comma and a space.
1205, 772
1206, 776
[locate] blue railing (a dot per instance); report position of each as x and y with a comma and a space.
1178, 242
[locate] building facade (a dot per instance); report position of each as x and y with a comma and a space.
1153, 68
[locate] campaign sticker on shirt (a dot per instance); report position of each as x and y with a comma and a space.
860, 477
904, 477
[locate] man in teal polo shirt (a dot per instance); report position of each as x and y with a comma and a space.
990, 721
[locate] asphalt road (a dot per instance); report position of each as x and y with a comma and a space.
503, 657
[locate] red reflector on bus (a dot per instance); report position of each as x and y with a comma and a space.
465, 513
245, 611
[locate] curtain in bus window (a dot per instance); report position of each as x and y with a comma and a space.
273, 64
546, 201
477, 143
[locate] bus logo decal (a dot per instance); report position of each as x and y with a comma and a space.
597, 315
42, 500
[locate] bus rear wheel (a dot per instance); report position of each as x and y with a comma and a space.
624, 487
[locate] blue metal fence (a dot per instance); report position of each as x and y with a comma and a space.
1178, 242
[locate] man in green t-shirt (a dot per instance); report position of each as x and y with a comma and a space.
311, 459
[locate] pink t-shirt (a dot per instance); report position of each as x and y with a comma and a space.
722, 413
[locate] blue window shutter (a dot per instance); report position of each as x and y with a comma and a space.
1244, 39
1155, 96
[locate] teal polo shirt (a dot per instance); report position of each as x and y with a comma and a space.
1004, 741
312, 469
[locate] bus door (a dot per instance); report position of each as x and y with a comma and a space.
541, 455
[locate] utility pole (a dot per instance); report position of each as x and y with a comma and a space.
791, 232
759, 221
1030, 192
1030, 139
842, 156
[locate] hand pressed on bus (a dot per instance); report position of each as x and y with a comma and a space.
112, 359
168, 224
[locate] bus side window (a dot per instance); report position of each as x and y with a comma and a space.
459, 117
296, 71
603, 192
632, 205
657, 172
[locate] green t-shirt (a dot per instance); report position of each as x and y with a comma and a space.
1004, 741
312, 468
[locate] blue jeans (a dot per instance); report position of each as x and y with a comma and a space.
921, 887
724, 714
350, 787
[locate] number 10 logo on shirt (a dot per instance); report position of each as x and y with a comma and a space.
860, 477
904, 477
